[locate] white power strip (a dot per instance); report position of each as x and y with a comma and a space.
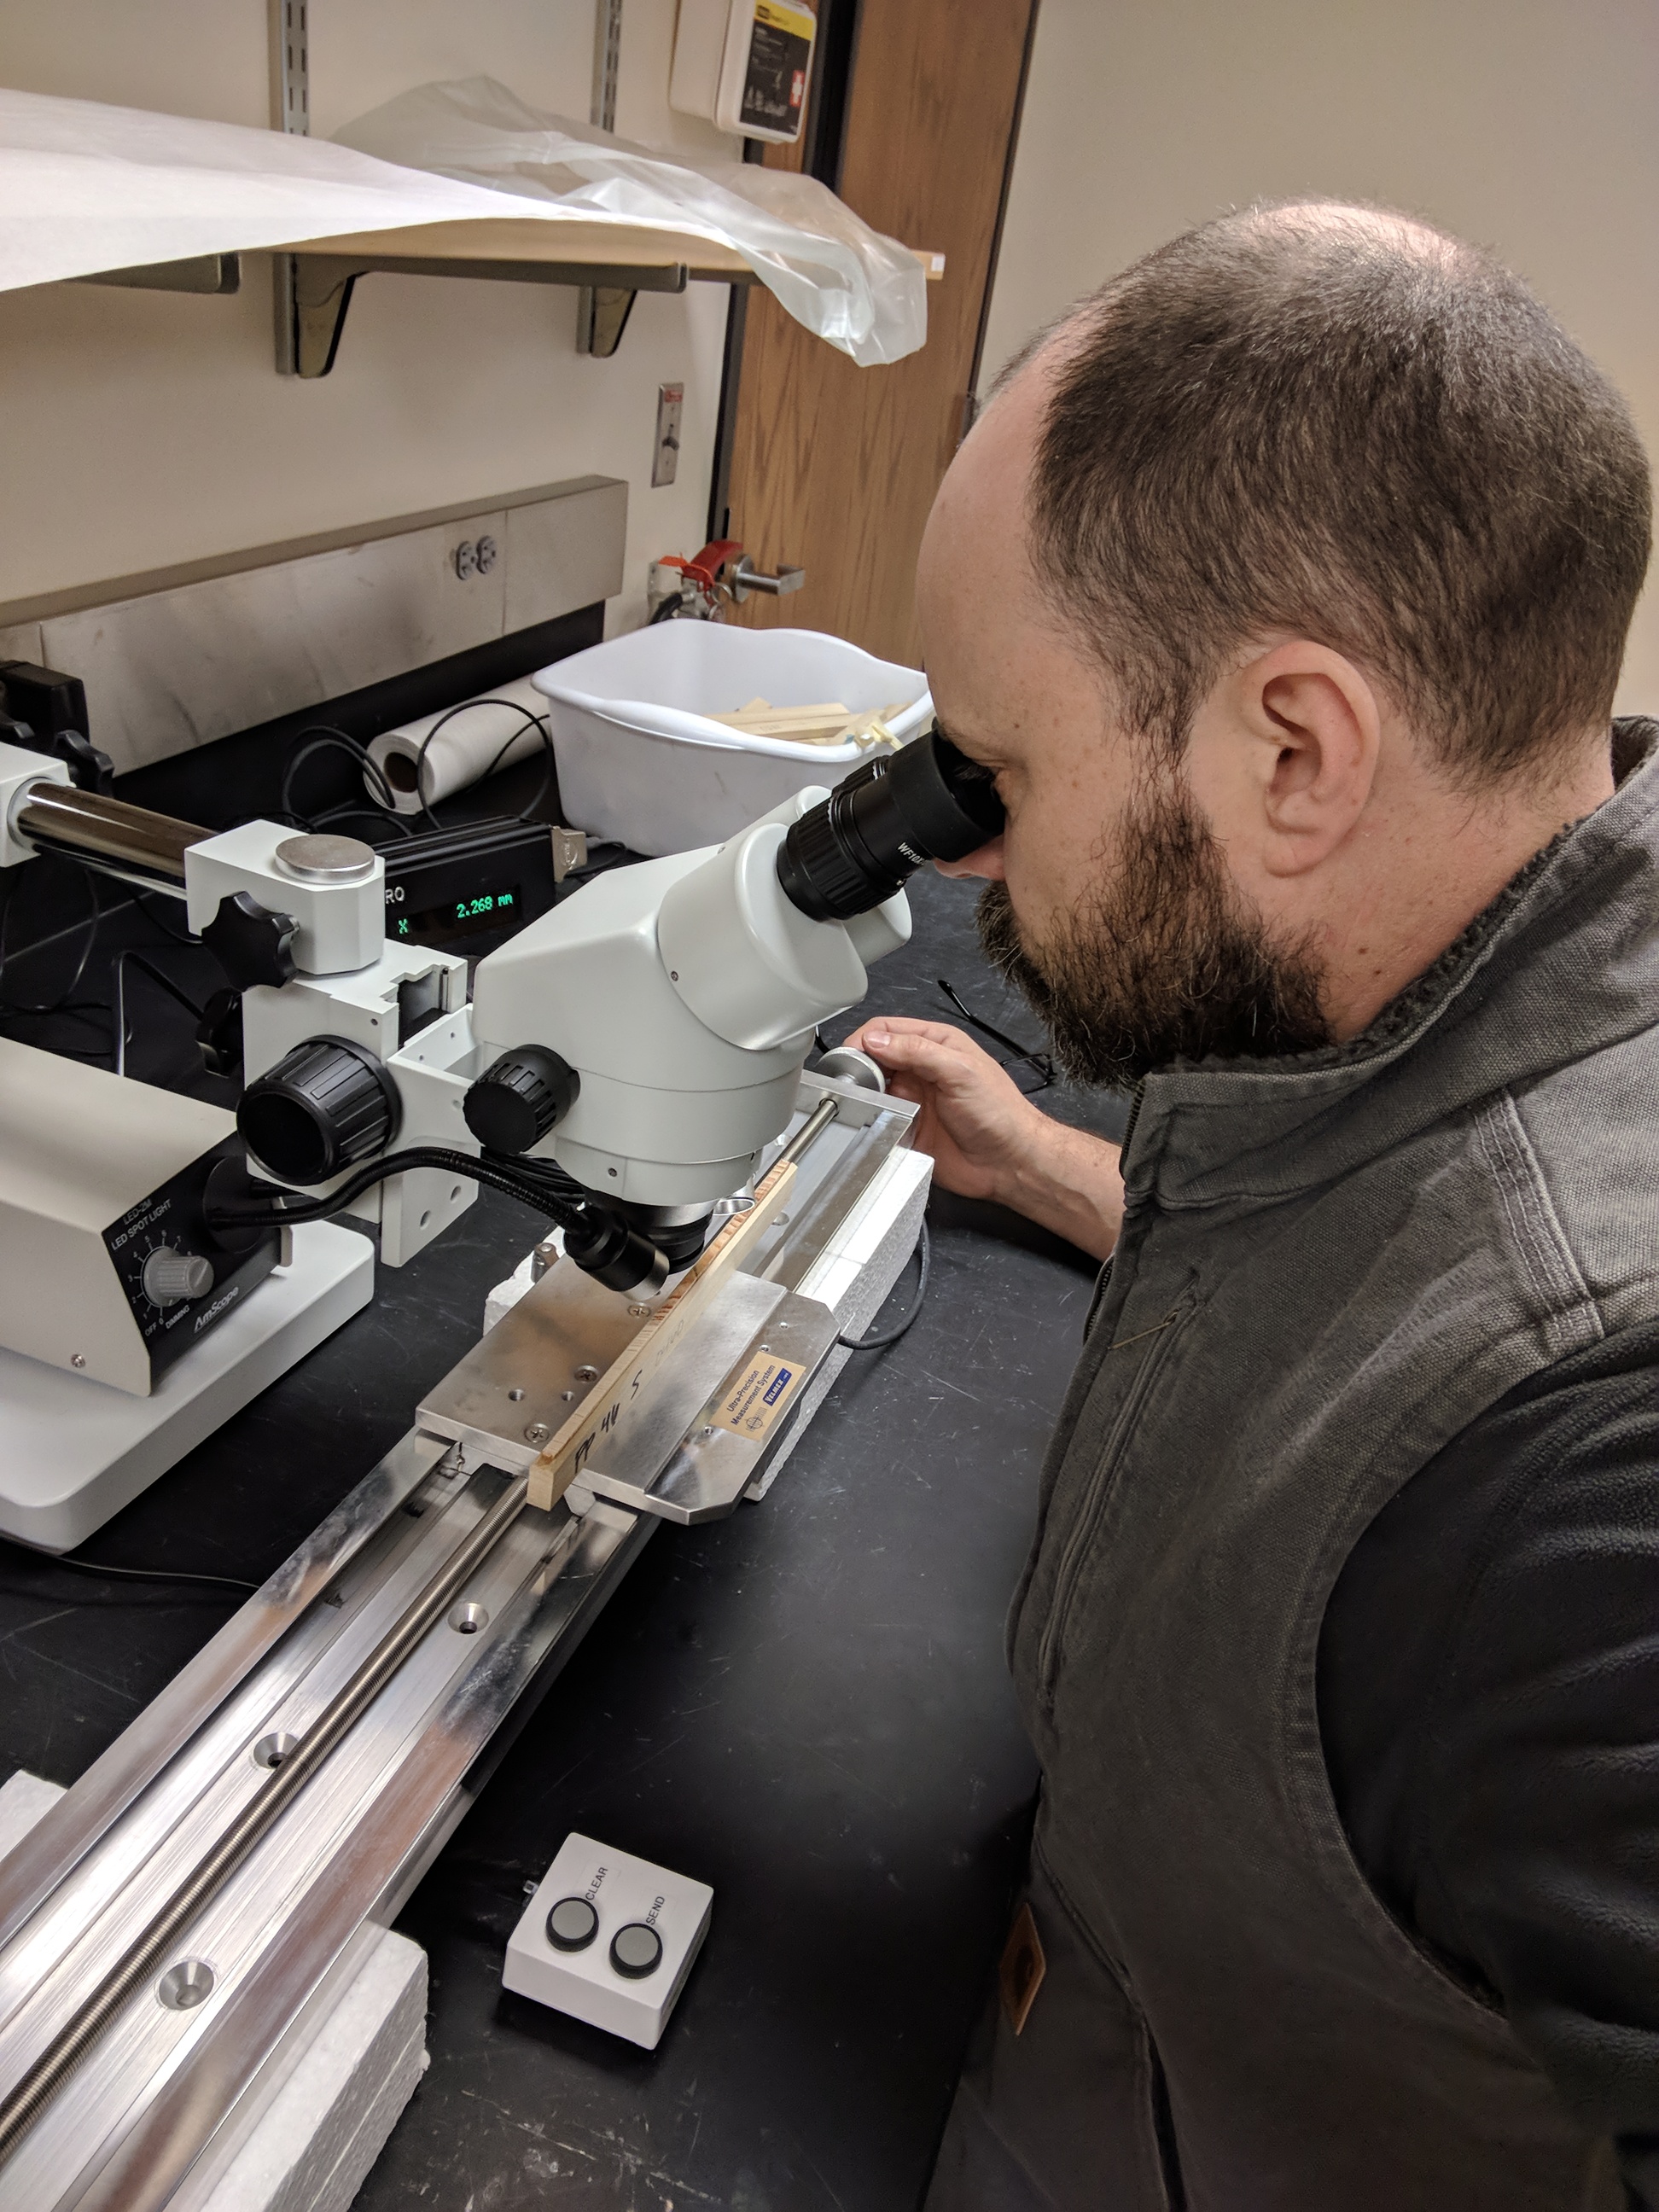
609, 1939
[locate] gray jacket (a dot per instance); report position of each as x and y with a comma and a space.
1329, 1267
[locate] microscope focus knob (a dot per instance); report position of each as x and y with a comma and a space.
519, 1097
171, 1277
325, 1104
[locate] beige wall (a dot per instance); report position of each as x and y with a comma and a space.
138, 429
1532, 125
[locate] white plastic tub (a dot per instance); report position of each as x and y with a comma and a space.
639, 759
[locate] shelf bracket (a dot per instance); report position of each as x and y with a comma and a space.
601, 313
319, 290
322, 284
215, 273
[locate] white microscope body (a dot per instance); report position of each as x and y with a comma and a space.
684, 992
644, 1037
643, 1042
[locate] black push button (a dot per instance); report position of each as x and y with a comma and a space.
636, 1951
572, 1924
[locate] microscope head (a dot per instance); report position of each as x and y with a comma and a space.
683, 993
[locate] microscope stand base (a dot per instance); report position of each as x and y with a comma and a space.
73, 1451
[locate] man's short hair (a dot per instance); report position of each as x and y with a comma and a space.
1340, 423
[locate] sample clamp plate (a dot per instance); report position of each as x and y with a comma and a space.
717, 1410
722, 1406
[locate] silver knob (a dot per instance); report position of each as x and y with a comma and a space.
325, 859
848, 1065
171, 1276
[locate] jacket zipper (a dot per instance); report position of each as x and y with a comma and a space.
1135, 1097
1094, 1505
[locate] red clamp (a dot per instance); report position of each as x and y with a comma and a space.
703, 569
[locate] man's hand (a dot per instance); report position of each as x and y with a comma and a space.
973, 1120
988, 1140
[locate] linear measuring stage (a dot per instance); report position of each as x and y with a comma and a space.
632, 1064
250, 1832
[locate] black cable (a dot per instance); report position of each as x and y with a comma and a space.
535, 1187
924, 1252
150, 913
147, 967
1039, 1061
321, 737
147, 1574
537, 722
362, 811
93, 921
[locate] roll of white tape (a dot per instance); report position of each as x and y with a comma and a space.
423, 762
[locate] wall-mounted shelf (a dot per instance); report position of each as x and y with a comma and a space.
510, 250
615, 261
86, 182
320, 276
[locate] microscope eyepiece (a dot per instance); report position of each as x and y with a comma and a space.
928, 801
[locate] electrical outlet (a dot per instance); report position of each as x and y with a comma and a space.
671, 400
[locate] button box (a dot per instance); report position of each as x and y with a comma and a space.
609, 1939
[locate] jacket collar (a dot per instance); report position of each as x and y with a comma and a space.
1564, 962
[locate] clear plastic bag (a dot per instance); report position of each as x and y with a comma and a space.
864, 293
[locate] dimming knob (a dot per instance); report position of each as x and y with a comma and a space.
519, 1097
170, 1277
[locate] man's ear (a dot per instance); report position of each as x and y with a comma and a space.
1307, 728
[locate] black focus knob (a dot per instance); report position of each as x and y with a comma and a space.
519, 1097
325, 1104
251, 944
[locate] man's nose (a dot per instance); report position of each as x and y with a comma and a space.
987, 862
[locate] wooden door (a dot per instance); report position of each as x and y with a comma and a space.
832, 466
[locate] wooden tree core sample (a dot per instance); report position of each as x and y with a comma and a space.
828, 724
562, 1458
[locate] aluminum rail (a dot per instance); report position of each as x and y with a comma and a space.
106, 834
46, 2076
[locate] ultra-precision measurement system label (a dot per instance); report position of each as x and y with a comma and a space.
751, 1407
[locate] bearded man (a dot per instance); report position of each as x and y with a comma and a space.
1339, 1640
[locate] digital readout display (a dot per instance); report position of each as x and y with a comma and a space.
496, 909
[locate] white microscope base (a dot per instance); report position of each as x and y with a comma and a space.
73, 1452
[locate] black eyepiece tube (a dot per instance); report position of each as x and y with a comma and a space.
928, 801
